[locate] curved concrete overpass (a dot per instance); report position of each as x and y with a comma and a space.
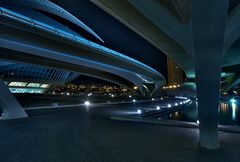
167, 25
200, 36
52, 10
48, 42
29, 40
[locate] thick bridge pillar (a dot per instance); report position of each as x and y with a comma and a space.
208, 27
11, 108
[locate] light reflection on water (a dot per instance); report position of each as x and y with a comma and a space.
229, 113
234, 106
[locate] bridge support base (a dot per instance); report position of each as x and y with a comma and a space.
11, 108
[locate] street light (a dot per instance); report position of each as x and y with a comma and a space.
139, 111
87, 103
232, 100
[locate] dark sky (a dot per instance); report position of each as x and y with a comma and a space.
116, 35
82, 79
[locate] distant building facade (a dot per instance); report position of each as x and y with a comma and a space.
175, 73
32, 78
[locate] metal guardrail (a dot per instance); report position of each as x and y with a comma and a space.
40, 25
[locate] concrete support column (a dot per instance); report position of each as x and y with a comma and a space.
11, 108
208, 27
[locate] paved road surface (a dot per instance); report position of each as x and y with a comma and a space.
88, 135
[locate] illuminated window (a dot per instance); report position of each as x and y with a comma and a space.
34, 85
26, 90
44, 85
18, 84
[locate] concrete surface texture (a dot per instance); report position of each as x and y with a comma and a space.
86, 134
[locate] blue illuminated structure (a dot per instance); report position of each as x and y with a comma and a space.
99, 56
31, 78
36, 32
47, 7
34, 73
72, 37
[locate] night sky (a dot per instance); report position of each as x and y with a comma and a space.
116, 35
83, 79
